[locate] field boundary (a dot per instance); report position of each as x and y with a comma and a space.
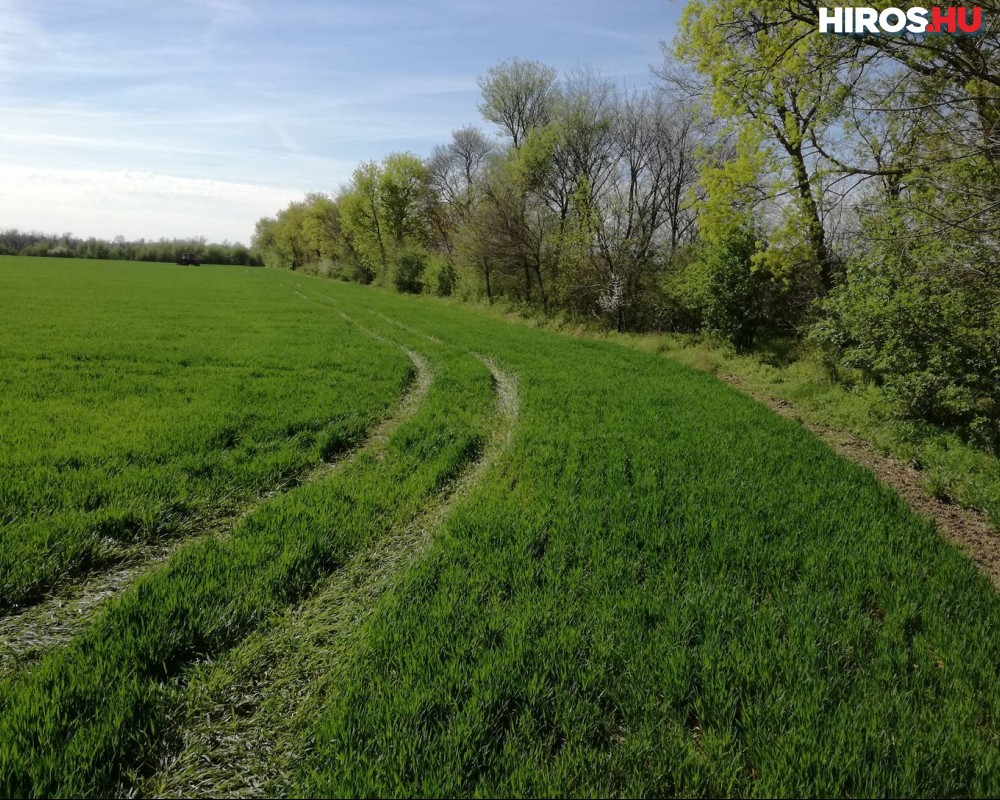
968, 528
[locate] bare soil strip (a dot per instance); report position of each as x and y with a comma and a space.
26, 635
244, 735
970, 529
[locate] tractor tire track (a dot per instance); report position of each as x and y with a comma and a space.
243, 738
429, 337
27, 634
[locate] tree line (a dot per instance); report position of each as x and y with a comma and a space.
14, 242
838, 192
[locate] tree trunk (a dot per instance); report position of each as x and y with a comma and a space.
817, 239
541, 287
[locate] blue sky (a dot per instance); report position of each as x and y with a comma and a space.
196, 117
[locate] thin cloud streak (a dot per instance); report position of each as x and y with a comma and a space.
247, 92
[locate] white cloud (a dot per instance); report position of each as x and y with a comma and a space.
134, 204
152, 119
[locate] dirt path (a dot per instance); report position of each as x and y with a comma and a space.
25, 636
244, 734
971, 530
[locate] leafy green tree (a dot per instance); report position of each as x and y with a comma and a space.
403, 194
362, 219
731, 296
321, 227
518, 96
385, 209
763, 78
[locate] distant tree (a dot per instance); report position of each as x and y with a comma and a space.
403, 194
518, 96
322, 229
454, 176
455, 170
362, 218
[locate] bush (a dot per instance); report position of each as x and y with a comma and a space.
446, 280
439, 276
928, 338
410, 267
722, 291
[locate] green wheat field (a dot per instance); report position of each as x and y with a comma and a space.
266, 535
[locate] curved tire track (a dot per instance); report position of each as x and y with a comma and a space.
241, 740
26, 635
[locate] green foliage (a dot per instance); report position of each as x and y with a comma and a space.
440, 276
410, 267
726, 288
928, 338
384, 213
321, 228
283, 242
518, 97
363, 221
772, 81
14, 242
446, 280
402, 190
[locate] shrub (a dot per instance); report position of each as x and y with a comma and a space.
446, 280
724, 290
410, 266
927, 335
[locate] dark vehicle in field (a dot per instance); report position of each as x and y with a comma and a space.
188, 260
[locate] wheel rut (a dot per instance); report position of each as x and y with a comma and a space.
26, 635
242, 736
